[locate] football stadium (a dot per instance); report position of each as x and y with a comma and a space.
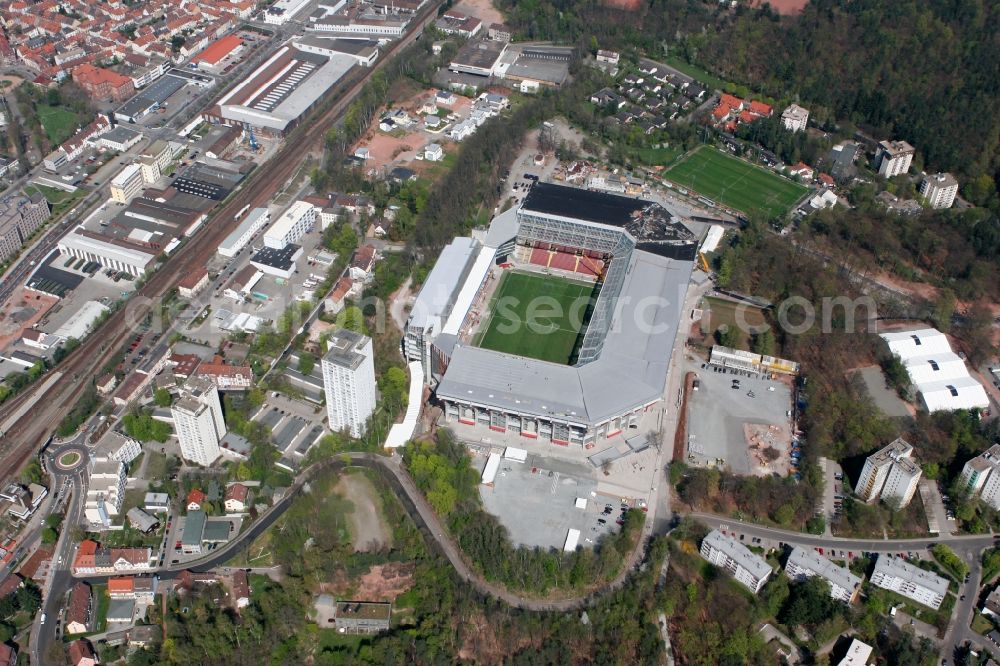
557, 323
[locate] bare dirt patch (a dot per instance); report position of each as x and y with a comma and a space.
627, 5
482, 10
24, 309
368, 528
382, 582
783, 7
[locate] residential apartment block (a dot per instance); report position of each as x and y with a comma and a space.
105, 491
893, 573
349, 381
729, 554
198, 421
981, 476
795, 118
890, 474
894, 158
939, 190
804, 563
20, 217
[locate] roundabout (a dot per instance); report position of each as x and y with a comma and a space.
68, 458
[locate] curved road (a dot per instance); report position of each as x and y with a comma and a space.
438, 539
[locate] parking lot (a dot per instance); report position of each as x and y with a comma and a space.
547, 490
731, 409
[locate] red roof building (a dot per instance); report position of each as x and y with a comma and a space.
195, 499
747, 117
219, 50
826, 179
103, 84
122, 587
81, 653
226, 377
184, 364
760, 109
731, 101
721, 112
85, 556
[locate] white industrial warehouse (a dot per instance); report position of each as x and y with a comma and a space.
938, 374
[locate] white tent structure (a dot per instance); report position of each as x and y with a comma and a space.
937, 373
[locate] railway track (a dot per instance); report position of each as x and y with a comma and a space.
29, 433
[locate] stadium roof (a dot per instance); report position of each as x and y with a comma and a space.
631, 371
436, 297
651, 225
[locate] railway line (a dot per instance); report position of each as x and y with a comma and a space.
51, 401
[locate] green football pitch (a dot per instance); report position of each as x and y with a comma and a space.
735, 183
538, 316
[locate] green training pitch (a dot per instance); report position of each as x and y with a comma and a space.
735, 183
538, 316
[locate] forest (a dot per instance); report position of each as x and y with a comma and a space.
875, 80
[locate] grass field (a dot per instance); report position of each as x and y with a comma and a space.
59, 123
735, 183
59, 200
538, 316
658, 156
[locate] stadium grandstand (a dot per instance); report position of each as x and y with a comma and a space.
617, 269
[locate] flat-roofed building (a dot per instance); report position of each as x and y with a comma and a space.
894, 158
291, 226
898, 575
256, 219
365, 51
795, 118
127, 184
20, 217
889, 474
199, 422
105, 491
939, 190
112, 253
729, 554
478, 57
981, 476
858, 654
160, 152
804, 563
349, 381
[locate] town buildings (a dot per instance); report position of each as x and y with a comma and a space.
20, 217
898, 575
795, 118
981, 476
349, 381
198, 421
291, 226
105, 491
939, 190
890, 474
805, 563
894, 158
127, 184
729, 554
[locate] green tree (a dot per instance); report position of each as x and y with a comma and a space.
306, 363
162, 397
49, 536
944, 308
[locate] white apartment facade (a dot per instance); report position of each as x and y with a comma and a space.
291, 226
349, 381
939, 190
889, 474
127, 184
105, 491
729, 554
795, 118
894, 158
893, 573
804, 563
981, 476
198, 421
